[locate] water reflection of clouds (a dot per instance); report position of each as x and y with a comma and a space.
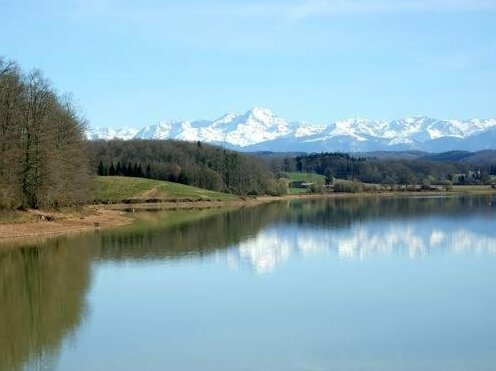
273, 246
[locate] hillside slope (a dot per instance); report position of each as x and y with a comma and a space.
119, 188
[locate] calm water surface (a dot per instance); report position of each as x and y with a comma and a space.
392, 284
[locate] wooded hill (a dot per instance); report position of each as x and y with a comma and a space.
43, 161
487, 156
387, 171
195, 164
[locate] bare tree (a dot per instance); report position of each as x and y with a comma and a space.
43, 159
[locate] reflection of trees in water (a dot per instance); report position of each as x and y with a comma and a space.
344, 212
42, 298
42, 289
197, 238
43, 286
348, 228
223, 229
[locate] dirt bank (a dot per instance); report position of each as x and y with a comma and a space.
35, 223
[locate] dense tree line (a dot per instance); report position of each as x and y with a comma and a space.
105, 169
42, 146
386, 171
492, 169
196, 164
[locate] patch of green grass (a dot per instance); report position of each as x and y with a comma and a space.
117, 188
472, 189
307, 177
297, 191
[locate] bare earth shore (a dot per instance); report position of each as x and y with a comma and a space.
35, 223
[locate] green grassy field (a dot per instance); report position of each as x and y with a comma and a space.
118, 188
307, 177
472, 189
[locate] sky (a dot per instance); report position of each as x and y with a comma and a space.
135, 63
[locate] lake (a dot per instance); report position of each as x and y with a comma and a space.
320, 284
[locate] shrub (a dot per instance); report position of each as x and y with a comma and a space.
345, 186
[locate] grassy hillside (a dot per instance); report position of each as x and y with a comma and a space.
119, 188
307, 177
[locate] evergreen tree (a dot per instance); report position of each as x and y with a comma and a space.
329, 179
148, 171
112, 169
101, 168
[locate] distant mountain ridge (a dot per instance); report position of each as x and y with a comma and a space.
261, 130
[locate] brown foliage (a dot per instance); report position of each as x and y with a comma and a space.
43, 161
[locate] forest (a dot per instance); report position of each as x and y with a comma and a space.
386, 171
191, 163
43, 161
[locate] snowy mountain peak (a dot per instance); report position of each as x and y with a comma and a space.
260, 129
261, 114
109, 133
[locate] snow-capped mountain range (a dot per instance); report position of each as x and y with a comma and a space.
261, 130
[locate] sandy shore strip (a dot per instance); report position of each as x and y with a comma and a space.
34, 223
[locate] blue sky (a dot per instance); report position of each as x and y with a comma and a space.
131, 63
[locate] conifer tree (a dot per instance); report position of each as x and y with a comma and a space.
101, 168
112, 169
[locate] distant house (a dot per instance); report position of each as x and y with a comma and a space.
300, 184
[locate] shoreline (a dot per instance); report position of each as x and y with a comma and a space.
35, 223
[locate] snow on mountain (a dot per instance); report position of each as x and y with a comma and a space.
240, 130
305, 129
109, 133
257, 125
260, 129
168, 129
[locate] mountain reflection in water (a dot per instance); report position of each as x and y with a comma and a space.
44, 284
274, 246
